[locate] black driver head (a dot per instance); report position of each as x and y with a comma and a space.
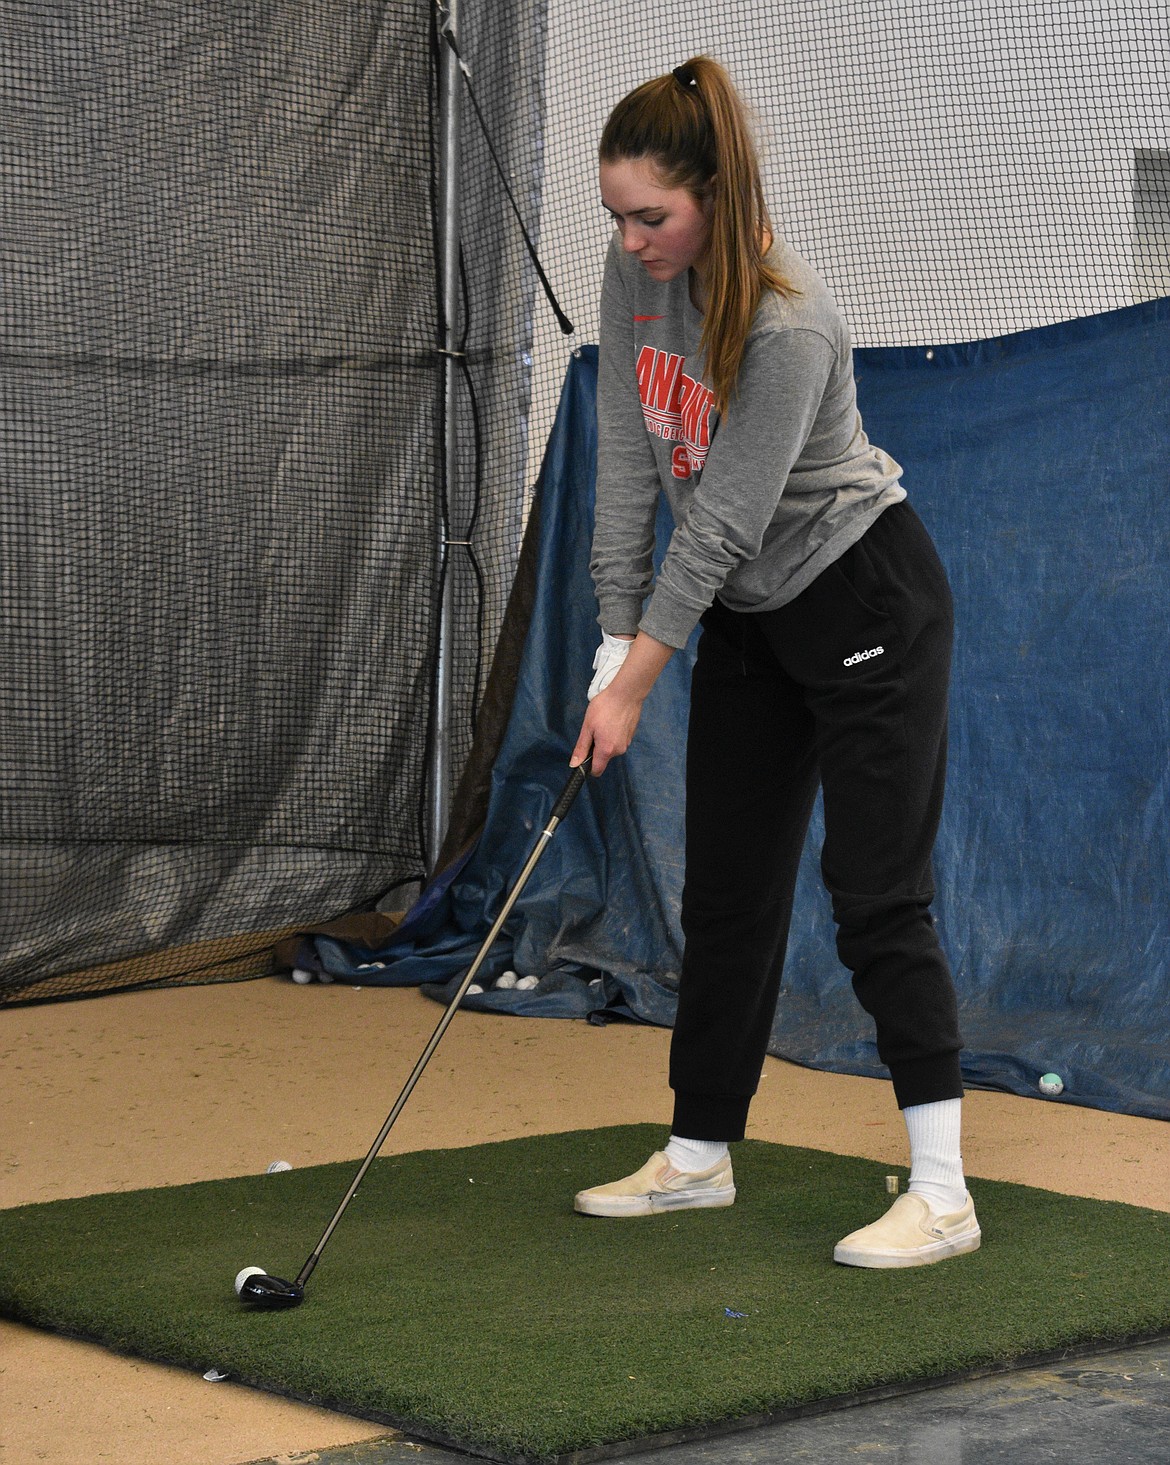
268, 1293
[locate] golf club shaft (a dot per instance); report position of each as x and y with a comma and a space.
560, 809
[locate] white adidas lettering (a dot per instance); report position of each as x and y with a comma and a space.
863, 655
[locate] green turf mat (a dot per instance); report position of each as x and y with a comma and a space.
461, 1298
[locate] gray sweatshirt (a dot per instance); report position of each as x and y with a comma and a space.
764, 499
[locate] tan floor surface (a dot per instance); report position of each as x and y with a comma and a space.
159, 1088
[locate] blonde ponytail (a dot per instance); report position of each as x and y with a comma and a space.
693, 127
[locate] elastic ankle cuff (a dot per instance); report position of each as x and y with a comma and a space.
707, 1116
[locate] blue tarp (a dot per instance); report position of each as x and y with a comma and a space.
1041, 464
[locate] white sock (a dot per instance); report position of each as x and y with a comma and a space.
936, 1164
689, 1155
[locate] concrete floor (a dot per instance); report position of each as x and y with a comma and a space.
1101, 1409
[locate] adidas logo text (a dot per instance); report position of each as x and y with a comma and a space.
863, 655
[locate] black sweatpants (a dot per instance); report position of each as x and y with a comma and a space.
846, 686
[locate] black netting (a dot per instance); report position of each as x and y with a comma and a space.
222, 414
504, 50
222, 513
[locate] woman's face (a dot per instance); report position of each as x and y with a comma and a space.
666, 229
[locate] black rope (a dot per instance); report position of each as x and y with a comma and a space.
477, 490
446, 34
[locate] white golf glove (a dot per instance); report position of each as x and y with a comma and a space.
607, 662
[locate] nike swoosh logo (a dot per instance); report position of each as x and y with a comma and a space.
649, 317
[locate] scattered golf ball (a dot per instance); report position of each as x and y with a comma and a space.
277, 1166
1051, 1083
506, 981
526, 984
242, 1277
301, 977
474, 990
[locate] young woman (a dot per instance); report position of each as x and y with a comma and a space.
726, 382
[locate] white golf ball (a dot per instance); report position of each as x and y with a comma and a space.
324, 977
301, 977
277, 1166
1051, 1083
242, 1277
474, 990
506, 981
526, 984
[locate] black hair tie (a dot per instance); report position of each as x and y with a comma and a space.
686, 78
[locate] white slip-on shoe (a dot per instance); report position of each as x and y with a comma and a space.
658, 1186
910, 1235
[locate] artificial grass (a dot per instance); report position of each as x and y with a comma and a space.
462, 1299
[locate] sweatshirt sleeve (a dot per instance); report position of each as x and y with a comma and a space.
622, 563
782, 382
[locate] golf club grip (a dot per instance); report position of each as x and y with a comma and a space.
570, 791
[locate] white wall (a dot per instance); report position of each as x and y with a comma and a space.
956, 170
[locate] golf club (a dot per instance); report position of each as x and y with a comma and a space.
255, 1287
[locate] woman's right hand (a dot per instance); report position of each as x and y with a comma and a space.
612, 717
608, 728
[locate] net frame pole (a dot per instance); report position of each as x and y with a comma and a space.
448, 250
